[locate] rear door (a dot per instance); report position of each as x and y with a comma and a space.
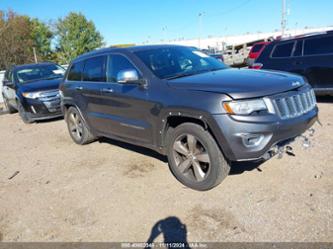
318, 61
93, 81
280, 57
297, 64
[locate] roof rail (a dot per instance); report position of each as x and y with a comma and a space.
303, 35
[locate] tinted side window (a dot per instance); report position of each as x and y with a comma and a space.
116, 64
94, 69
8, 75
298, 48
256, 48
322, 45
75, 71
283, 50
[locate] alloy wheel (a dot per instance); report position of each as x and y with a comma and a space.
191, 157
75, 125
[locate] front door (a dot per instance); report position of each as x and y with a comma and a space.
126, 109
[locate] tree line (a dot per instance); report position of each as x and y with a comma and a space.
24, 39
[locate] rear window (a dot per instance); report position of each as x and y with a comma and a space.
283, 50
94, 69
256, 48
323, 45
75, 72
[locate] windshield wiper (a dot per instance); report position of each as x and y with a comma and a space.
53, 77
181, 75
192, 73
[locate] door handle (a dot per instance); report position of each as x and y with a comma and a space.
298, 63
107, 90
79, 88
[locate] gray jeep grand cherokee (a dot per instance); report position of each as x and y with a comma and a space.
186, 105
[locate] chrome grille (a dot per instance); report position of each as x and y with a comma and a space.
294, 105
49, 95
51, 100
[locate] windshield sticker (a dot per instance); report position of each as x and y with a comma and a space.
201, 54
25, 71
58, 71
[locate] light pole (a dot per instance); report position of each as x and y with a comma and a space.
164, 29
200, 27
283, 18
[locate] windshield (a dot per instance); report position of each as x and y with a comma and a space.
174, 62
33, 73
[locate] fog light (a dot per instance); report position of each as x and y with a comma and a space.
251, 140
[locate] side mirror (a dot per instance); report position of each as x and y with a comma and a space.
128, 76
7, 83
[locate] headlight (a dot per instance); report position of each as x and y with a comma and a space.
31, 95
244, 107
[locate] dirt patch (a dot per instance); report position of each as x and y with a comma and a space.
81, 217
91, 163
214, 221
138, 169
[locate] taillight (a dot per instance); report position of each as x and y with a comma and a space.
257, 66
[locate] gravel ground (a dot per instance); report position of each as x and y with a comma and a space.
110, 191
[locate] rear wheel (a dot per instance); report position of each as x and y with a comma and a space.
194, 157
8, 107
77, 128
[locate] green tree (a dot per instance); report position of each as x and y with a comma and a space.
42, 37
76, 35
18, 35
15, 39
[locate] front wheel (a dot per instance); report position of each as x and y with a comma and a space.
77, 128
23, 114
194, 157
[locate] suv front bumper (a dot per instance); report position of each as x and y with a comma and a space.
235, 133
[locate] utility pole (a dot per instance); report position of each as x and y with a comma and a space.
35, 55
200, 28
164, 29
283, 17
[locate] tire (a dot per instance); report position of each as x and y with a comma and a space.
77, 127
194, 157
23, 114
9, 108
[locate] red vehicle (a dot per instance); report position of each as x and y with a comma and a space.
255, 51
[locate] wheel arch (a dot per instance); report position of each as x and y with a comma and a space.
173, 119
66, 105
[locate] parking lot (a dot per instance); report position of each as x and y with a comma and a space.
54, 190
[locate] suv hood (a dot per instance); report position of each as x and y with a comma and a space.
240, 83
41, 85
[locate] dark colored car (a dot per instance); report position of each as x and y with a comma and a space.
184, 104
32, 90
255, 51
309, 55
